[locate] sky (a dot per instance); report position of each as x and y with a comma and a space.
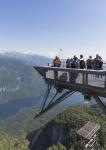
46, 26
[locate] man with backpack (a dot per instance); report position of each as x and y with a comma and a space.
82, 62
74, 62
96, 62
68, 63
90, 63
100, 63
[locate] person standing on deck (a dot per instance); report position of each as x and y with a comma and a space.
90, 63
100, 63
68, 63
82, 62
96, 62
57, 62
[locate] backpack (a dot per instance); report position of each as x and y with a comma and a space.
82, 64
96, 63
73, 64
89, 63
68, 63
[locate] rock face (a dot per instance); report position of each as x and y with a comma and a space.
54, 132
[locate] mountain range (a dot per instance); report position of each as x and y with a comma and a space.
26, 57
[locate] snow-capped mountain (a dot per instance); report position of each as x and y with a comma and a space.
26, 56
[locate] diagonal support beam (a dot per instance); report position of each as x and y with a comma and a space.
100, 103
60, 99
45, 99
53, 98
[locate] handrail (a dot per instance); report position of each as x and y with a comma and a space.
71, 69
82, 80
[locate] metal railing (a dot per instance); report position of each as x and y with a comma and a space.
92, 78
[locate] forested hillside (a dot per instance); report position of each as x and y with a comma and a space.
8, 142
62, 130
58, 134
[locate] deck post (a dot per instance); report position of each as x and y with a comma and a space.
55, 75
105, 81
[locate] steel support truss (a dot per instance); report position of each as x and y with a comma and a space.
54, 101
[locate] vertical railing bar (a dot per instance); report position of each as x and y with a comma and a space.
105, 81
83, 78
56, 75
86, 77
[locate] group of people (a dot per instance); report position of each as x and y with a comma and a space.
80, 63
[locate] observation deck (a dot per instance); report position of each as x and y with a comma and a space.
92, 82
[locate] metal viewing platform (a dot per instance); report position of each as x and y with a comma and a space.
91, 83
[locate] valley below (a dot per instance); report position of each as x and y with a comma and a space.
22, 91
